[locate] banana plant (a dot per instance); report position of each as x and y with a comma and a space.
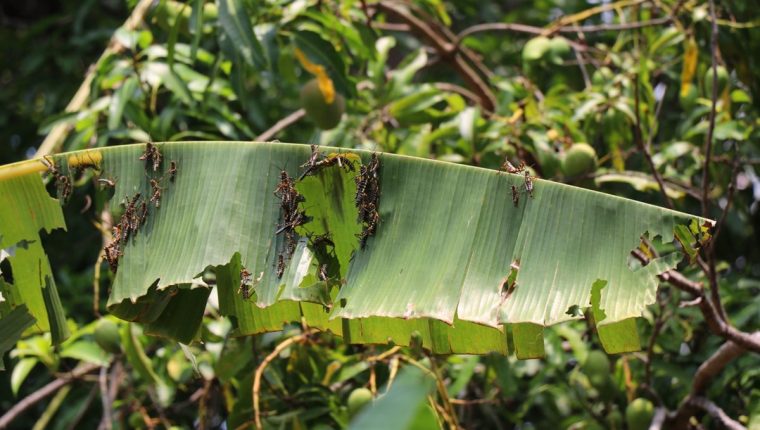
377, 248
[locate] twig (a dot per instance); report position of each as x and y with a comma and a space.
530, 29
714, 100
58, 134
260, 371
710, 250
658, 325
706, 372
446, 49
43, 392
643, 148
714, 322
106, 421
716, 412
280, 125
444, 393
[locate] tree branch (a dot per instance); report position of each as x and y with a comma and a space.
712, 316
446, 49
728, 352
43, 392
280, 125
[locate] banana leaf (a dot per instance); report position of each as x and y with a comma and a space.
459, 252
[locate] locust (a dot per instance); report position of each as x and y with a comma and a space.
152, 156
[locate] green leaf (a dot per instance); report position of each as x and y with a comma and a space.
27, 208
12, 326
120, 99
236, 24
399, 406
20, 372
448, 237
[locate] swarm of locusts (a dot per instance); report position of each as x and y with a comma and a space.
136, 207
292, 217
367, 196
508, 167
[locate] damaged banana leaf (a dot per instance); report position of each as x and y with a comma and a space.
376, 248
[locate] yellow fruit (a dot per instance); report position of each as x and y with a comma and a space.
357, 400
107, 336
579, 159
325, 115
639, 414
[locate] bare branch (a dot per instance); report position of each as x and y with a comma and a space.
43, 392
717, 413
280, 125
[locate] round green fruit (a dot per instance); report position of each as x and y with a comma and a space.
638, 414
535, 49
722, 81
358, 399
107, 336
558, 49
325, 115
597, 369
579, 159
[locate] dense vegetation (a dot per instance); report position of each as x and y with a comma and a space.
651, 100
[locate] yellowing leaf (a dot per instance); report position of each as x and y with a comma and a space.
325, 83
689, 65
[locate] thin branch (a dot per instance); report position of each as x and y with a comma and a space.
715, 323
106, 422
260, 371
280, 125
446, 49
713, 103
44, 392
642, 147
716, 412
58, 134
530, 29
705, 374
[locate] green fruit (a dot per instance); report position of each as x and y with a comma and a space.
325, 115
107, 336
597, 369
688, 99
615, 420
722, 81
550, 163
638, 414
357, 400
169, 13
558, 49
579, 159
535, 49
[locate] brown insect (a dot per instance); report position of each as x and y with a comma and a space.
112, 254
529, 184
510, 168
62, 182
515, 196
245, 283
155, 192
172, 171
311, 164
151, 156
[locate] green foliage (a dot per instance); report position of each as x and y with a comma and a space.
227, 71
